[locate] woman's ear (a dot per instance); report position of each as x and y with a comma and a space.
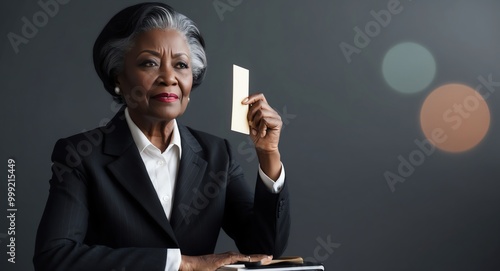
118, 79
117, 84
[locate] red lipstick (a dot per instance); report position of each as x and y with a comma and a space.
166, 97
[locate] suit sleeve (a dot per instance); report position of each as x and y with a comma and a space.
258, 222
60, 241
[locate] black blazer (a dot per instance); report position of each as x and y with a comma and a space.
104, 214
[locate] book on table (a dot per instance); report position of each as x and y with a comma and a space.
284, 263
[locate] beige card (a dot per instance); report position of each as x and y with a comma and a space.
239, 122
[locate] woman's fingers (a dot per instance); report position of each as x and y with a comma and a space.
254, 98
264, 122
214, 261
263, 117
257, 107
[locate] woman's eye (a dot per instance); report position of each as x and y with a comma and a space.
182, 65
149, 63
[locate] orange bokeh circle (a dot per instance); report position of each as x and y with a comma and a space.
455, 118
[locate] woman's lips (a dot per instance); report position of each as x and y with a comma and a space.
166, 97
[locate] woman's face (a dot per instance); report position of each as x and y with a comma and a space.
157, 77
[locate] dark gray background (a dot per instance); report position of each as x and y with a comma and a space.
348, 126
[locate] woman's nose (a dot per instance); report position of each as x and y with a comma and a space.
167, 75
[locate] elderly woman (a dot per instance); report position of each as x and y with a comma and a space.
145, 192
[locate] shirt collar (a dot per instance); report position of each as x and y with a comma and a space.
142, 142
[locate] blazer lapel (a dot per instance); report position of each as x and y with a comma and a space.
130, 171
189, 178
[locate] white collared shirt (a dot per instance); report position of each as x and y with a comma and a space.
162, 169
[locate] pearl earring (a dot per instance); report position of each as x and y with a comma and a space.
117, 90
189, 99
